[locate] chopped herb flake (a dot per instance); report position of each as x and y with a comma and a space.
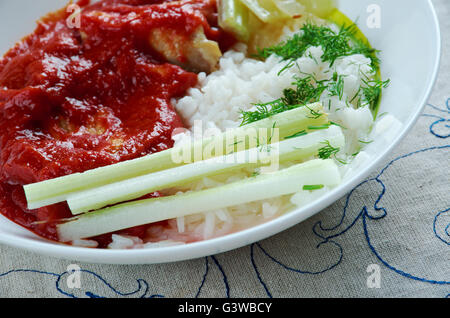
326, 126
299, 134
328, 151
313, 187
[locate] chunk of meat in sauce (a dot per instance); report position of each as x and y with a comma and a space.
198, 54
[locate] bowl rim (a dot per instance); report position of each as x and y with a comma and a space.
230, 241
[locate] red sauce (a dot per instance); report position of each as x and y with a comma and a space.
77, 99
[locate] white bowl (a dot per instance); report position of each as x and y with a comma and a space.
409, 39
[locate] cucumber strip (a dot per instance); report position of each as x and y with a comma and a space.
59, 189
265, 10
233, 17
284, 182
321, 8
299, 148
293, 8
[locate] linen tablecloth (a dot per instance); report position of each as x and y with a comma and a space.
390, 237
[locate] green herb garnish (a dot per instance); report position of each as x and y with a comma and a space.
299, 134
307, 90
256, 173
372, 91
381, 115
313, 187
328, 151
336, 87
336, 124
334, 44
326, 126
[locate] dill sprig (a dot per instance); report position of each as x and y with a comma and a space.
328, 151
372, 90
306, 90
334, 44
264, 145
298, 134
321, 127
336, 124
336, 87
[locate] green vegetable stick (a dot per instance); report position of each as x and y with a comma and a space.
265, 10
262, 187
233, 17
292, 8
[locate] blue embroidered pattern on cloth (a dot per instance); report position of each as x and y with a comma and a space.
399, 220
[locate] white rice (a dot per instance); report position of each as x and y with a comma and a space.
237, 85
